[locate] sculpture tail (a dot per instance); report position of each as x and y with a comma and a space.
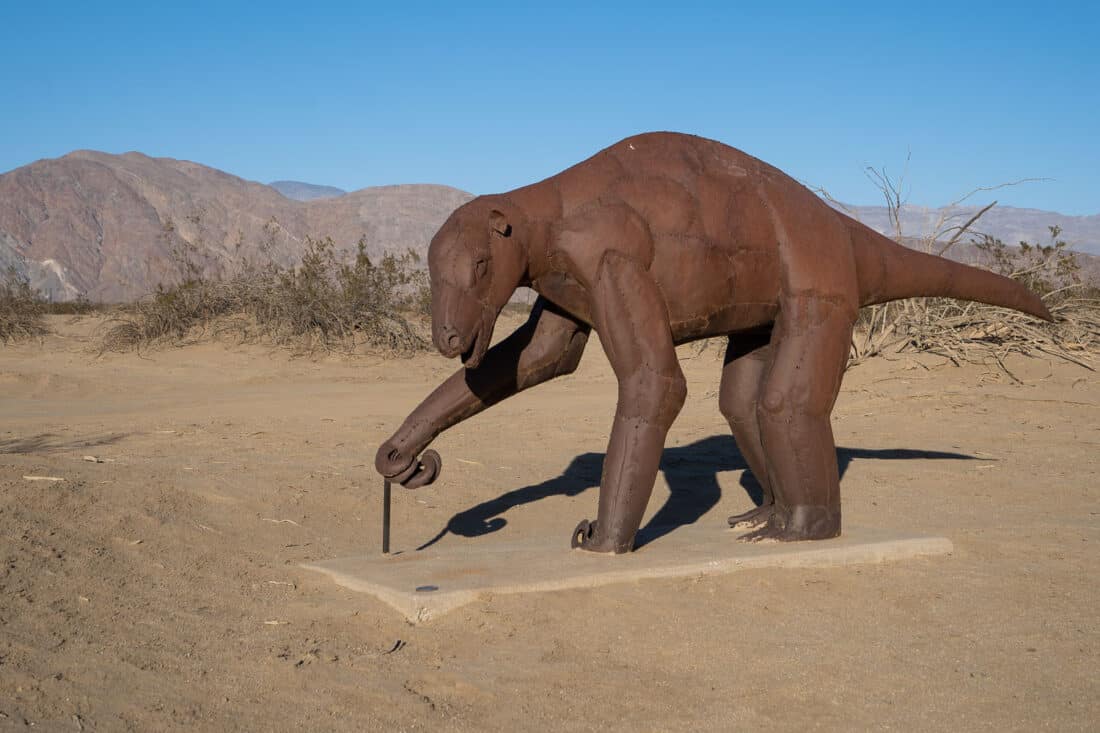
888, 271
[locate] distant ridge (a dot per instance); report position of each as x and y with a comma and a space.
105, 226
300, 191
1008, 223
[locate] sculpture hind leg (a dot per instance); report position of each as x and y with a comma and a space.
810, 346
746, 364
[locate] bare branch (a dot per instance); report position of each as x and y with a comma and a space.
997, 187
964, 228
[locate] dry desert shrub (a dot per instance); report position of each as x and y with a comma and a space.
322, 303
962, 331
21, 309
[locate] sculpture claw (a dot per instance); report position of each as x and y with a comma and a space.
582, 534
587, 537
753, 518
412, 475
796, 524
425, 471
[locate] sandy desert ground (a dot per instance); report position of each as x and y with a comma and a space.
160, 589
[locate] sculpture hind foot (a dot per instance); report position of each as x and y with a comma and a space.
753, 518
588, 537
803, 522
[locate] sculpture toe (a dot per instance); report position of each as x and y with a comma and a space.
753, 518
582, 534
802, 522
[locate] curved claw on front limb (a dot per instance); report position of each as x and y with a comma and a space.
427, 470
410, 472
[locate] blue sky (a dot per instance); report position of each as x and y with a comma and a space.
490, 96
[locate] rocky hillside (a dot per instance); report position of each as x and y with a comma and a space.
107, 226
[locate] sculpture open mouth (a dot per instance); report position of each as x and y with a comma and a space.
472, 357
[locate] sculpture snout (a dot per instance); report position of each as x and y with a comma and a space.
448, 341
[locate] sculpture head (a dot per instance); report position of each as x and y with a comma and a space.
475, 262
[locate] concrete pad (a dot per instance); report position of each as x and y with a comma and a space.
426, 584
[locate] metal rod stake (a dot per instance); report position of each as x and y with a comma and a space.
385, 517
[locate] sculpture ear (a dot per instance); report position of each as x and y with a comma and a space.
499, 223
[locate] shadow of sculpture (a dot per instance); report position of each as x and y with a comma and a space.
691, 472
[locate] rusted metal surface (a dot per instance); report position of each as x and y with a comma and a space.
659, 240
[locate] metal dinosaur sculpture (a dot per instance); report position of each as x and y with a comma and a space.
658, 240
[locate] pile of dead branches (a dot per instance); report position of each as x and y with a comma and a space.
979, 334
973, 332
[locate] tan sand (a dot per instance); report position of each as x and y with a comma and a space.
161, 588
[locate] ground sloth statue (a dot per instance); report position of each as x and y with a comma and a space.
655, 241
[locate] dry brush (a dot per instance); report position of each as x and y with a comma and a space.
22, 310
322, 304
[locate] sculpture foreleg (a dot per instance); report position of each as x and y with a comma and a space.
633, 323
548, 345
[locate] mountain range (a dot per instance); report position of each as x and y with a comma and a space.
1009, 224
111, 227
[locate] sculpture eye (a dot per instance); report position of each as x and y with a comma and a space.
480, 268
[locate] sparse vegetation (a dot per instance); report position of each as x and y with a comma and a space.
973, 332
322, 303
21, 309
79, 307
